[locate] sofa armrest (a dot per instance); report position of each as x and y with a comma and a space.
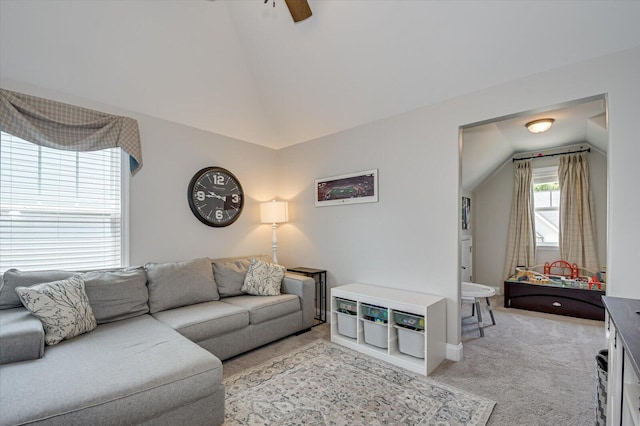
305, 288
21, 336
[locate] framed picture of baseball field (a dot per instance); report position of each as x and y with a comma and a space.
352, 188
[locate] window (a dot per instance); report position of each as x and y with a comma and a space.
546, 202
59, 209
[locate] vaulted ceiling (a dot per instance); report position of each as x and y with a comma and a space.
487, 146
242, 68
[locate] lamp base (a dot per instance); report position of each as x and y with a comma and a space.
274, 243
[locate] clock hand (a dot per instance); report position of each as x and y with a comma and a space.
213, 194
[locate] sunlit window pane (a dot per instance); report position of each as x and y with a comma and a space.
59, 209
546, 201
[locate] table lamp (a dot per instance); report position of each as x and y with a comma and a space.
274, 212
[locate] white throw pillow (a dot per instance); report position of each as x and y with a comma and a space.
263, 278
62, 307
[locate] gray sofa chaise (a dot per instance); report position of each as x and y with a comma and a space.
154, 357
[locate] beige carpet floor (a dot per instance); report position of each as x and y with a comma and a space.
539, 368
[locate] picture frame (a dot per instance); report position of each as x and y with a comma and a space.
466, 212
351, 188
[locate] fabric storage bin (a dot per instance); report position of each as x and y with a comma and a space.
375, 333
346, 306
410, 342
347, 325
408, 320
374, 313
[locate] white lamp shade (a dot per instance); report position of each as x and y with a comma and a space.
274, 212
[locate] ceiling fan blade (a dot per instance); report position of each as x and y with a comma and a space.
299, 9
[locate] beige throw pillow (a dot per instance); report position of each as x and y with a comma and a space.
263, 278
62, 307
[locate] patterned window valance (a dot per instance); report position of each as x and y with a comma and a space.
68, 127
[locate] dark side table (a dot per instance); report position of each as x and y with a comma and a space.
320, 277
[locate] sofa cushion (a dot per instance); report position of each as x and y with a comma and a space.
172, 285
13, 278
263, 278
265, 308
117, 295
62, 307
230, 272
204, 320
124, 372
21, 336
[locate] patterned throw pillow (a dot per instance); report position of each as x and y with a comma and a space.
62, 307
263, 278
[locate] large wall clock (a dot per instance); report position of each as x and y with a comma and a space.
215, 196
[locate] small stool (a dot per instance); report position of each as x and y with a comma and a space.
472, 293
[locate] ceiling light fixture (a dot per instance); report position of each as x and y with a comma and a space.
539, 126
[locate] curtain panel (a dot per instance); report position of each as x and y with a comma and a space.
521, 238
577, 229
71, 128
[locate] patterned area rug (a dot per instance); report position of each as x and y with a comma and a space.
327, 384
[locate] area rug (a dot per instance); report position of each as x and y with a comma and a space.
326, 384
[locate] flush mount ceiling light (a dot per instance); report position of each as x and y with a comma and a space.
539, 126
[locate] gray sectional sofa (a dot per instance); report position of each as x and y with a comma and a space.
155, 356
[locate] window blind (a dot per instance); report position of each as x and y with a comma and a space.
542, 175
59, 209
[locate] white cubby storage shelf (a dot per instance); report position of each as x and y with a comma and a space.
432, 308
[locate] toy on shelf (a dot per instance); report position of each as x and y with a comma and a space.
560, 273
563, 265
595, 281
533, 277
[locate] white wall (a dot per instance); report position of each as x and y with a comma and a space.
409, 239
162, 227
162, 224
150, 57
493, 206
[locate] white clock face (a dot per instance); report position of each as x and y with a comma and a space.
215, 197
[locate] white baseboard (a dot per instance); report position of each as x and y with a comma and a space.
454, 352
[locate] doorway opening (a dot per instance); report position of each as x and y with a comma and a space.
488, 150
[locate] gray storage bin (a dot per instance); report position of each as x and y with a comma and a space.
347, 325
410, 342
376, 334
